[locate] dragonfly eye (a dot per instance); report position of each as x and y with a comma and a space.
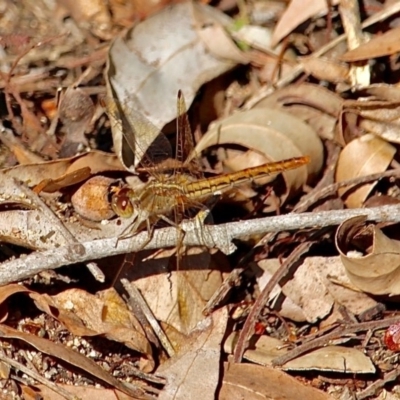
121, 203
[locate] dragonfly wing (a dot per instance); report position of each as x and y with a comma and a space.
184, 139
147, 143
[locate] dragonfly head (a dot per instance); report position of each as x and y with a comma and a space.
123, 203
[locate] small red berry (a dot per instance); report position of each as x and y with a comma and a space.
392, 337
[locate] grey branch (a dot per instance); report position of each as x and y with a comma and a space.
216, 236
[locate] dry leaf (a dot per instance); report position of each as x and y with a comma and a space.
57, 174
69, 179
297, 12
177, 298
316, 285
363, 156
5, 292
379, 46
371, 259
382, 119
252, 382
379, 115
8, 290
317, 106
330, 358
334, 277
87, 315
201, 357
306, 290
167, 54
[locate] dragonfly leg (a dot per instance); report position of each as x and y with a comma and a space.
150, 231
133, 232
169, 221
181, 234
201, 216
134, 228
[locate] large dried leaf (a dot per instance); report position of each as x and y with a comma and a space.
253, 382
381, 45
166, 53
310, 294
177, 298
363, 156
275, 134
330, 358
200, 357
371, 259
306, 290
297, 12
313, 104
87, 315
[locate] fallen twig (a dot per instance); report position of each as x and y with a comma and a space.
146, 317
373, 388
218, 236
248, 328
335, 334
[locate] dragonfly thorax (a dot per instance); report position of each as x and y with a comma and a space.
160, 198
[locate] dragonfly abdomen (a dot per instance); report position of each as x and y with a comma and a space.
209, 186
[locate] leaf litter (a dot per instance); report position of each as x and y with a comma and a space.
303, 299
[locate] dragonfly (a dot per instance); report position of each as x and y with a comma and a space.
181, 187
177, 188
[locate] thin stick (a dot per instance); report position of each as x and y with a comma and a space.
248, 328
337, 333
372, 389
309, 200
139, 302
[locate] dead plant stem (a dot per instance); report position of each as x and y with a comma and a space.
27, 266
